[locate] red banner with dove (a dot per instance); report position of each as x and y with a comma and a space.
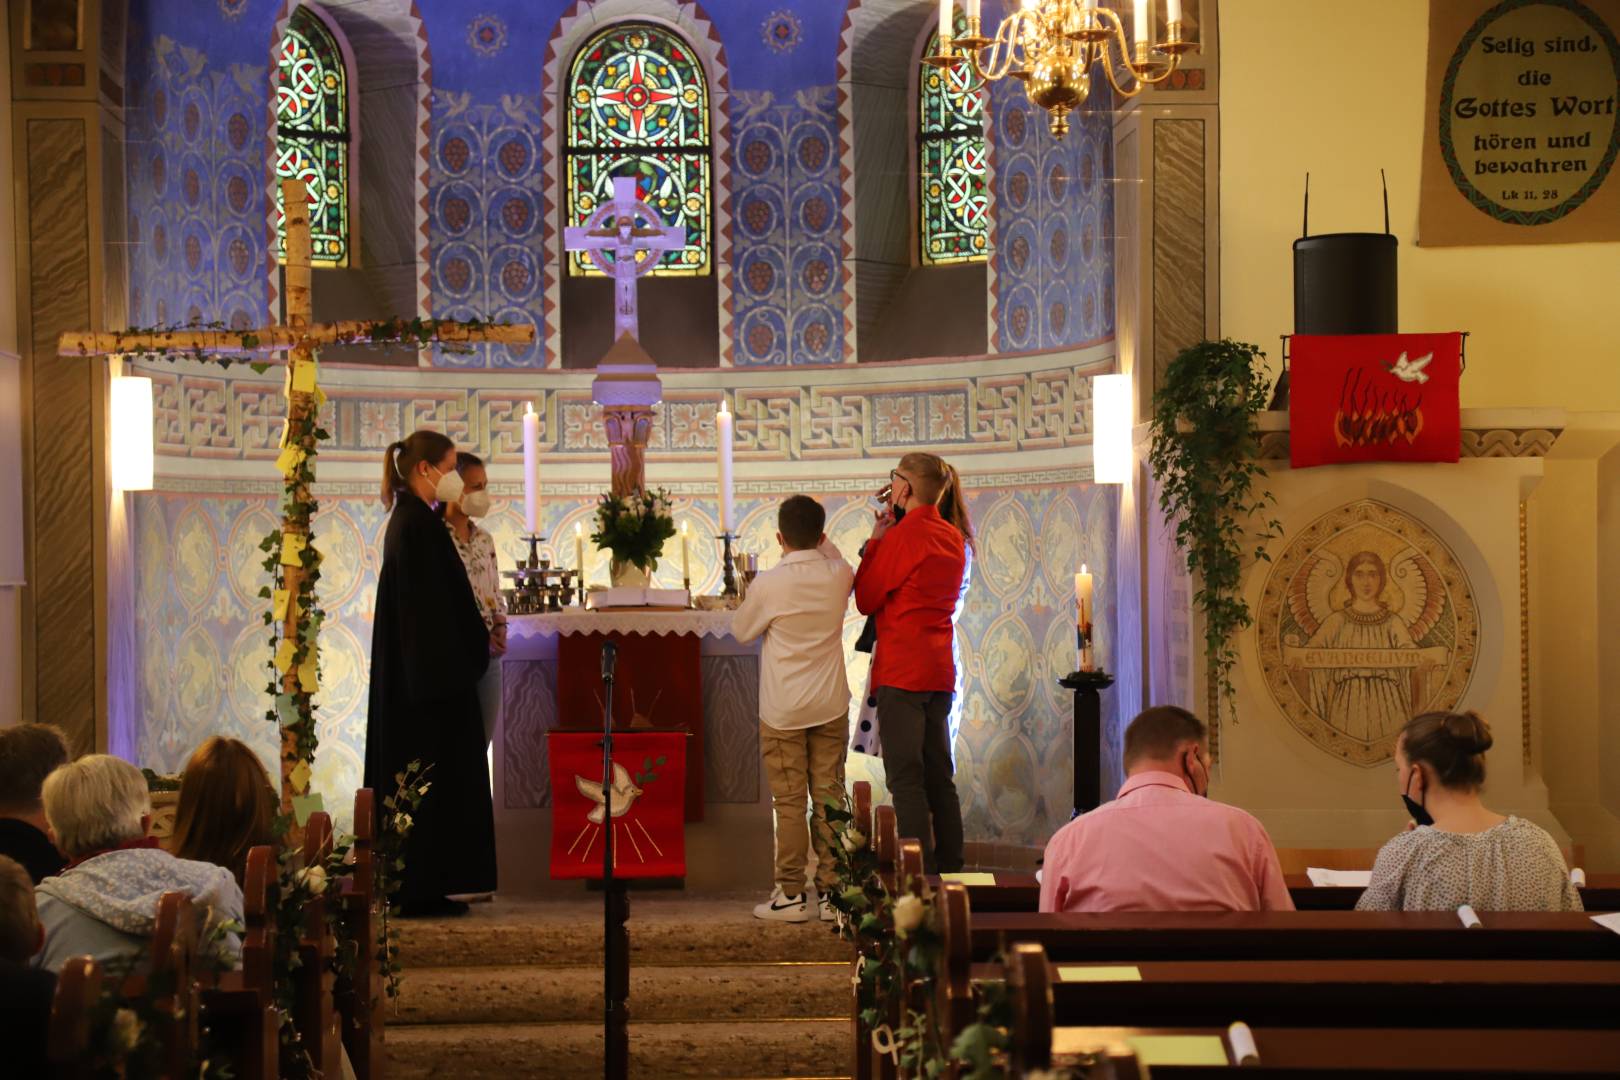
649, 785
1374, 397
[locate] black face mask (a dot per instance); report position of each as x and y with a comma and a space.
1416, 810
899, 512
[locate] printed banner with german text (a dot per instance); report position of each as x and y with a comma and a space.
1521, 124
1374, 397
649, 781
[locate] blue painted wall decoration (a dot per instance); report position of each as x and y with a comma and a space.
199, 146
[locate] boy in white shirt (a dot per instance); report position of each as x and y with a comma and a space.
803, 697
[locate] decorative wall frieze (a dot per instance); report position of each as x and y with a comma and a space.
1530, 442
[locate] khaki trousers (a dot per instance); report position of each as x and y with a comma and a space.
806, 771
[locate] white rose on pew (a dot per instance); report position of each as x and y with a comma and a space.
126, 1030
853, 841
908, 914
403, 824
313, 878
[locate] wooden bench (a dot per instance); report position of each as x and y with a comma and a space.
360, 1003
239, 1007
315, 1013
1036, 1040
67, 1039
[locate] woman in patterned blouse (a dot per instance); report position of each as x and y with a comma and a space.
477, 550
1469, 854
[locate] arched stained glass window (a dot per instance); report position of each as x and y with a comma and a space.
312, 134
638, 105
953, 188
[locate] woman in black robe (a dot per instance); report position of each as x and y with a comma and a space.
429, 647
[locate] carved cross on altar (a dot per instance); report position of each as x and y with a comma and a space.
624, 239
298, 338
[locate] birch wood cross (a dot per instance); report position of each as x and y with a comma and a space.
293, 560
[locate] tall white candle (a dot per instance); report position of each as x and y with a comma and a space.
722, 436
531, 470
1140, 28
579, 550
1082, 594
972, 9
946, 24
1172, 11
686, 551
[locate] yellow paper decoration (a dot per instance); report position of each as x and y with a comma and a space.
300, 776
288, 461
303, 378
292, 549
309, 679
278, 604
284, 655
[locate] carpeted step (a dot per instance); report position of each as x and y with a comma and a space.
522, 995
753, 1049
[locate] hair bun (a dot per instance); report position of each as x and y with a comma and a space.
1469, 731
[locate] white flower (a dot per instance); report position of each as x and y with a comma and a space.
126, 1030
403, 823
908, 914
853, 840
423, 790
313, 878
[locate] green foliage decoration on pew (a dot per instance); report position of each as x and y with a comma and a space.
900, 947
388, 861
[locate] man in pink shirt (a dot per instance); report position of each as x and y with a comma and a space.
1161, 844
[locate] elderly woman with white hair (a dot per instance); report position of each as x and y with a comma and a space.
104, 904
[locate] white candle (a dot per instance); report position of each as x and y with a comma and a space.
1172, 11
1082, 594
531, 470
972, 9
946, 24
686, 552
579, 550
1140, 28
722, 437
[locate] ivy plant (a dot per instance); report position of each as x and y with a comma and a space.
1204, 458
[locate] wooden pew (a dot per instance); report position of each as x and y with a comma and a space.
239, 1007
862, 1046
1285, 935
174, 954
67, 1040
315, 1013
361, 1004
1037, 1040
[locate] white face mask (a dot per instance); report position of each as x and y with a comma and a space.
449, 487
475, 503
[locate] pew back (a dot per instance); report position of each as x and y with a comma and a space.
67, 1041
361, 1003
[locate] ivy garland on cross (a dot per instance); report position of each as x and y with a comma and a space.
291, 557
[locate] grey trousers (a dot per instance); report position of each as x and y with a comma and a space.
913, 727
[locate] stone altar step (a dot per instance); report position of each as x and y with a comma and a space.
750, 1049
531, 995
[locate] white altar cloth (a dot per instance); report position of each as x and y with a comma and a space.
704, 624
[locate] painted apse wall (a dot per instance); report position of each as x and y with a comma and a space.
1016, 422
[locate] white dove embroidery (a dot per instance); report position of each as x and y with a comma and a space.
1411, 370
624, 793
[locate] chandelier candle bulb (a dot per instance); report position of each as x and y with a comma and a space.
971, 7
722, 438
1142, 24
531, 470
1172, 11
946, 23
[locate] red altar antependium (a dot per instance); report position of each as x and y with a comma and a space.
1374, 397
649, 785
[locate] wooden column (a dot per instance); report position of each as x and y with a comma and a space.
67, 143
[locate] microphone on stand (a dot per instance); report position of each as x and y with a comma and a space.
615, 945
610, 653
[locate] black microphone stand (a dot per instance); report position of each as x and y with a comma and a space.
615, 908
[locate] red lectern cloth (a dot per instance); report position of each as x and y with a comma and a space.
1374, 397
649, 838
657, 680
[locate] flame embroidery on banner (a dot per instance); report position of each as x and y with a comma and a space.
1368, 415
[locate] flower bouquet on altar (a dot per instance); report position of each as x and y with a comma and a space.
633, 529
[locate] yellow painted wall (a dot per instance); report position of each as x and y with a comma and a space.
1337, 89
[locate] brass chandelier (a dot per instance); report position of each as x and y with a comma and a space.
1050, 46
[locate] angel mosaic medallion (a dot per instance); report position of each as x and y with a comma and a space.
1367, 619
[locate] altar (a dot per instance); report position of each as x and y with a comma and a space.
729, 838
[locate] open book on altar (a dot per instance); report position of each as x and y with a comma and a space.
603, 599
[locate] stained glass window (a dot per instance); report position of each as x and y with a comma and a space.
953, 188
312, 135
638, 105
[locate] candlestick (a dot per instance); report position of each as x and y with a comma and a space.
722, 436
531, 469
1139, 30
945, 25
729, 575
1083, 615
972, 9
579, 553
